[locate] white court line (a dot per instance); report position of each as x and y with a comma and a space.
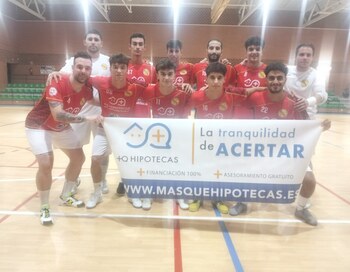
170, 217
58, 177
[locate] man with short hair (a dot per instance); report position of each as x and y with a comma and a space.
48, 124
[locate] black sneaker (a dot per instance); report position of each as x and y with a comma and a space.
121, 189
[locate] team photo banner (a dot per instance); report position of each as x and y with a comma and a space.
210, 159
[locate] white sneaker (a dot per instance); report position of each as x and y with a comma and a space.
94, 199
183, 205
75, 188
136, 202
146, 204
104, 187
70, 201
45, 217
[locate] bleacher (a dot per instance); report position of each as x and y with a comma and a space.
335, 104
21, 93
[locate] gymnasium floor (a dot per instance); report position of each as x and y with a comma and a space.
116, 237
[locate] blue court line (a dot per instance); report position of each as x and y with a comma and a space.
231, 248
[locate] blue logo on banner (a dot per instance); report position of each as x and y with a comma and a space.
157, 135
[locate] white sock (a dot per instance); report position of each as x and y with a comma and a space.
97, 187
67, 188
44, 197
301, 202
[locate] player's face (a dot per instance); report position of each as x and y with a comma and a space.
82, 70
275, 81
166, 77
93, 43
304, 58
215, 80
214, 51
119, 70
254, 53
174, 54
137, 46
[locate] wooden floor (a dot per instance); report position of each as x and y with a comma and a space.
116, 237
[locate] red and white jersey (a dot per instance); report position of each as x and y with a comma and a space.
40, 116
117, 102
248, 77
142, 74
264, 108
199, 76
183, 73
166, 106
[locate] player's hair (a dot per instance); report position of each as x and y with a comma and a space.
310, 45
165, 64
276, 66
119, 58
216, 67
174, 44
255, 40
83, 55
94, 31
221, 45
137, 35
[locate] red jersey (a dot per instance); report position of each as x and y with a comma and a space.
248, 77
142, 74
40, 116
117, 102
166, 106
220, 108
183, 73
264, 108
199, 75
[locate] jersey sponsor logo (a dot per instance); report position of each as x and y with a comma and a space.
214, 116
175, 101
179, 80
52, 91
138, 80
261, 74
166, 111
183, 72
146, 72
223, 106
283, 113
117, 102
251, 83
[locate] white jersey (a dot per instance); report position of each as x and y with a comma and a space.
306, 84
100, 67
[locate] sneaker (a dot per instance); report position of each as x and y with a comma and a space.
306, 216
121, 189
136, 202
70, 201
94, 199
183, 205
238, 209
146, 204
194, 206
45, 217
221, 207
75, 188
104, 187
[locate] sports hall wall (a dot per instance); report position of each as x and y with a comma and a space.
25, 47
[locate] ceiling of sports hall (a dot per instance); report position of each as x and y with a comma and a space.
281, 13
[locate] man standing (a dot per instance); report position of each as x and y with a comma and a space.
305, 82
48, 124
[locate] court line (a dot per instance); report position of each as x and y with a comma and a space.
177, 241
231, 248
334, 193
170, 217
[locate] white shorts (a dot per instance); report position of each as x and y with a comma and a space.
41, 141
100, 146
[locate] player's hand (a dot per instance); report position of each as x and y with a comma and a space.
244, 62
94, 119
53, 76
204, 60
226, 62
187, 88
301, 104
326, 124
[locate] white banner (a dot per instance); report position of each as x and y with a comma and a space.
240, 160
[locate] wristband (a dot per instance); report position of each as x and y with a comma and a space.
312, 101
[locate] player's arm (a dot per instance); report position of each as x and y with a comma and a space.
56, 76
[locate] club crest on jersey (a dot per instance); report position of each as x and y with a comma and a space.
175, 101
304, 83
261, 74
146, 72
283, 113
128, 93
52, 91
82, 102
104, 66
223, 106
183, 72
